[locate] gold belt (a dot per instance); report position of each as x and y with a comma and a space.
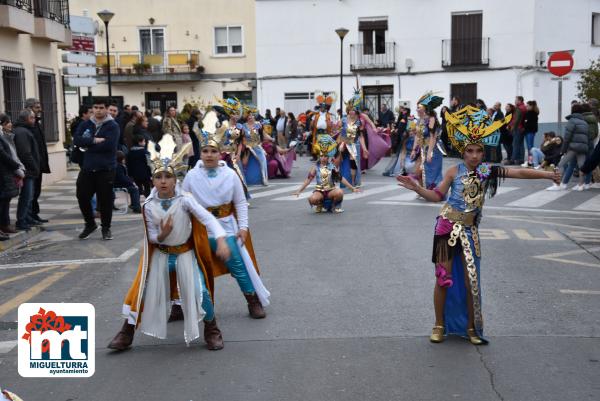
221, 211
464, 218
177, 249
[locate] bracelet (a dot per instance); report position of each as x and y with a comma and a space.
438, 193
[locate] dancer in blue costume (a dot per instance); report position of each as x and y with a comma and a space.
253, 158
456, 246
428, 141
352, 141
405, 162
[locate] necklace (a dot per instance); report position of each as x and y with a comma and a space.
166, 203
211, 172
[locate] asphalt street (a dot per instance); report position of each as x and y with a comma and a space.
351, 304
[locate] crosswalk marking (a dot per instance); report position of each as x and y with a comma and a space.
288, 188
7, 346
61, 198
504, 190
369, 192
538, 199
404, 197
591, 204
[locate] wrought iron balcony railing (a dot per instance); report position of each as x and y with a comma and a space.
24, 5
465, 52
375, 56
168, 62
55, 10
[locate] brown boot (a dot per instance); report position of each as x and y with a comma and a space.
212, 335
255, 307
124, 338
176, 313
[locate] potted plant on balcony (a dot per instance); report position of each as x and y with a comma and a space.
104, 68
138, 68
200, 69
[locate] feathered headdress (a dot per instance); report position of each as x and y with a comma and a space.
231, 106
326, 146
430, 101
323, 99
355, 101
471, 125
167, 161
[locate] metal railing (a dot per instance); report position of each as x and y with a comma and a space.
174, 61
375, 56
465, 52
55, 10
24, 5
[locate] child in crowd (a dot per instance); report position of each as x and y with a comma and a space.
137, 164
122, 180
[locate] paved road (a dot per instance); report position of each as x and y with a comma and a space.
351, 304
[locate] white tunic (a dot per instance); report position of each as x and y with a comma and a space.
222, 189
157, 292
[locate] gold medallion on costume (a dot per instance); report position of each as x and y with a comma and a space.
473, 191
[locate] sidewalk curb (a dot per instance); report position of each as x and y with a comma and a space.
19, 238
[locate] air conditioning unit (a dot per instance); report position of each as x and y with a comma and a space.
540, 59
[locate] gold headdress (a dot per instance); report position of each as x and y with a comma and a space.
471, 125
166, 161
325, 146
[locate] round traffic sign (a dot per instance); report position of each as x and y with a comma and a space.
560, 63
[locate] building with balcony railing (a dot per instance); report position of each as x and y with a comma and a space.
160, 57
31, 32
401, 49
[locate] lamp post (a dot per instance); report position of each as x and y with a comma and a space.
341, 32
106, 16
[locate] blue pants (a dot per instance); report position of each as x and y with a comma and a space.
518, 150
236, 265
24, 204
207, 303
569, 172
529, 137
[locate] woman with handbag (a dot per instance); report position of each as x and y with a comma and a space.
12, 172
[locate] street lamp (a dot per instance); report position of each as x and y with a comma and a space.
341, 32
106, 16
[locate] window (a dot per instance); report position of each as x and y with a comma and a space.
152, 40
596, 29
228, 40
467, 93
373, 33
47, 89
13, 82
467, 42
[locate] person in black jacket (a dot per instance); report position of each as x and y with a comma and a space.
27, 151
40, 138
11, 175
100, 137
530, 123
122, 180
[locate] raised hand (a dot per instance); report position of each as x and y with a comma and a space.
407, 182
166, 226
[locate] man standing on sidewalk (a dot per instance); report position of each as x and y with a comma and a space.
40, 138
99, 136
27, 151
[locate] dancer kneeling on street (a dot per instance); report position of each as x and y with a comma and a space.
171, 250
456, 247
326, 193
218, 188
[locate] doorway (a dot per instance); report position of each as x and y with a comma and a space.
161, 100
375, 96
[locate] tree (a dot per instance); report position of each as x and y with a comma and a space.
589, 84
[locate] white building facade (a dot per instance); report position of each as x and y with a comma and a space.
400, 49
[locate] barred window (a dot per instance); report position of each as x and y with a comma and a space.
13, 82
47, 88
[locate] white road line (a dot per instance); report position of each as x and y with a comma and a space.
58, 206
580, 292
591, 204
50, 194
61, 198
62, 187
119, 259
538, 199
7, 346
288, 188
406, 196
504, 190
307, 192
369, 192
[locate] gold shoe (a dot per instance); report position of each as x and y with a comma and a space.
474, 338
319, 209
437, 334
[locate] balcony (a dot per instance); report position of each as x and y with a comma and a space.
17, 15
466, 53
52, 21
371, 57
169, 66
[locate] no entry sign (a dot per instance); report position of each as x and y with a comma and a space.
560, 63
